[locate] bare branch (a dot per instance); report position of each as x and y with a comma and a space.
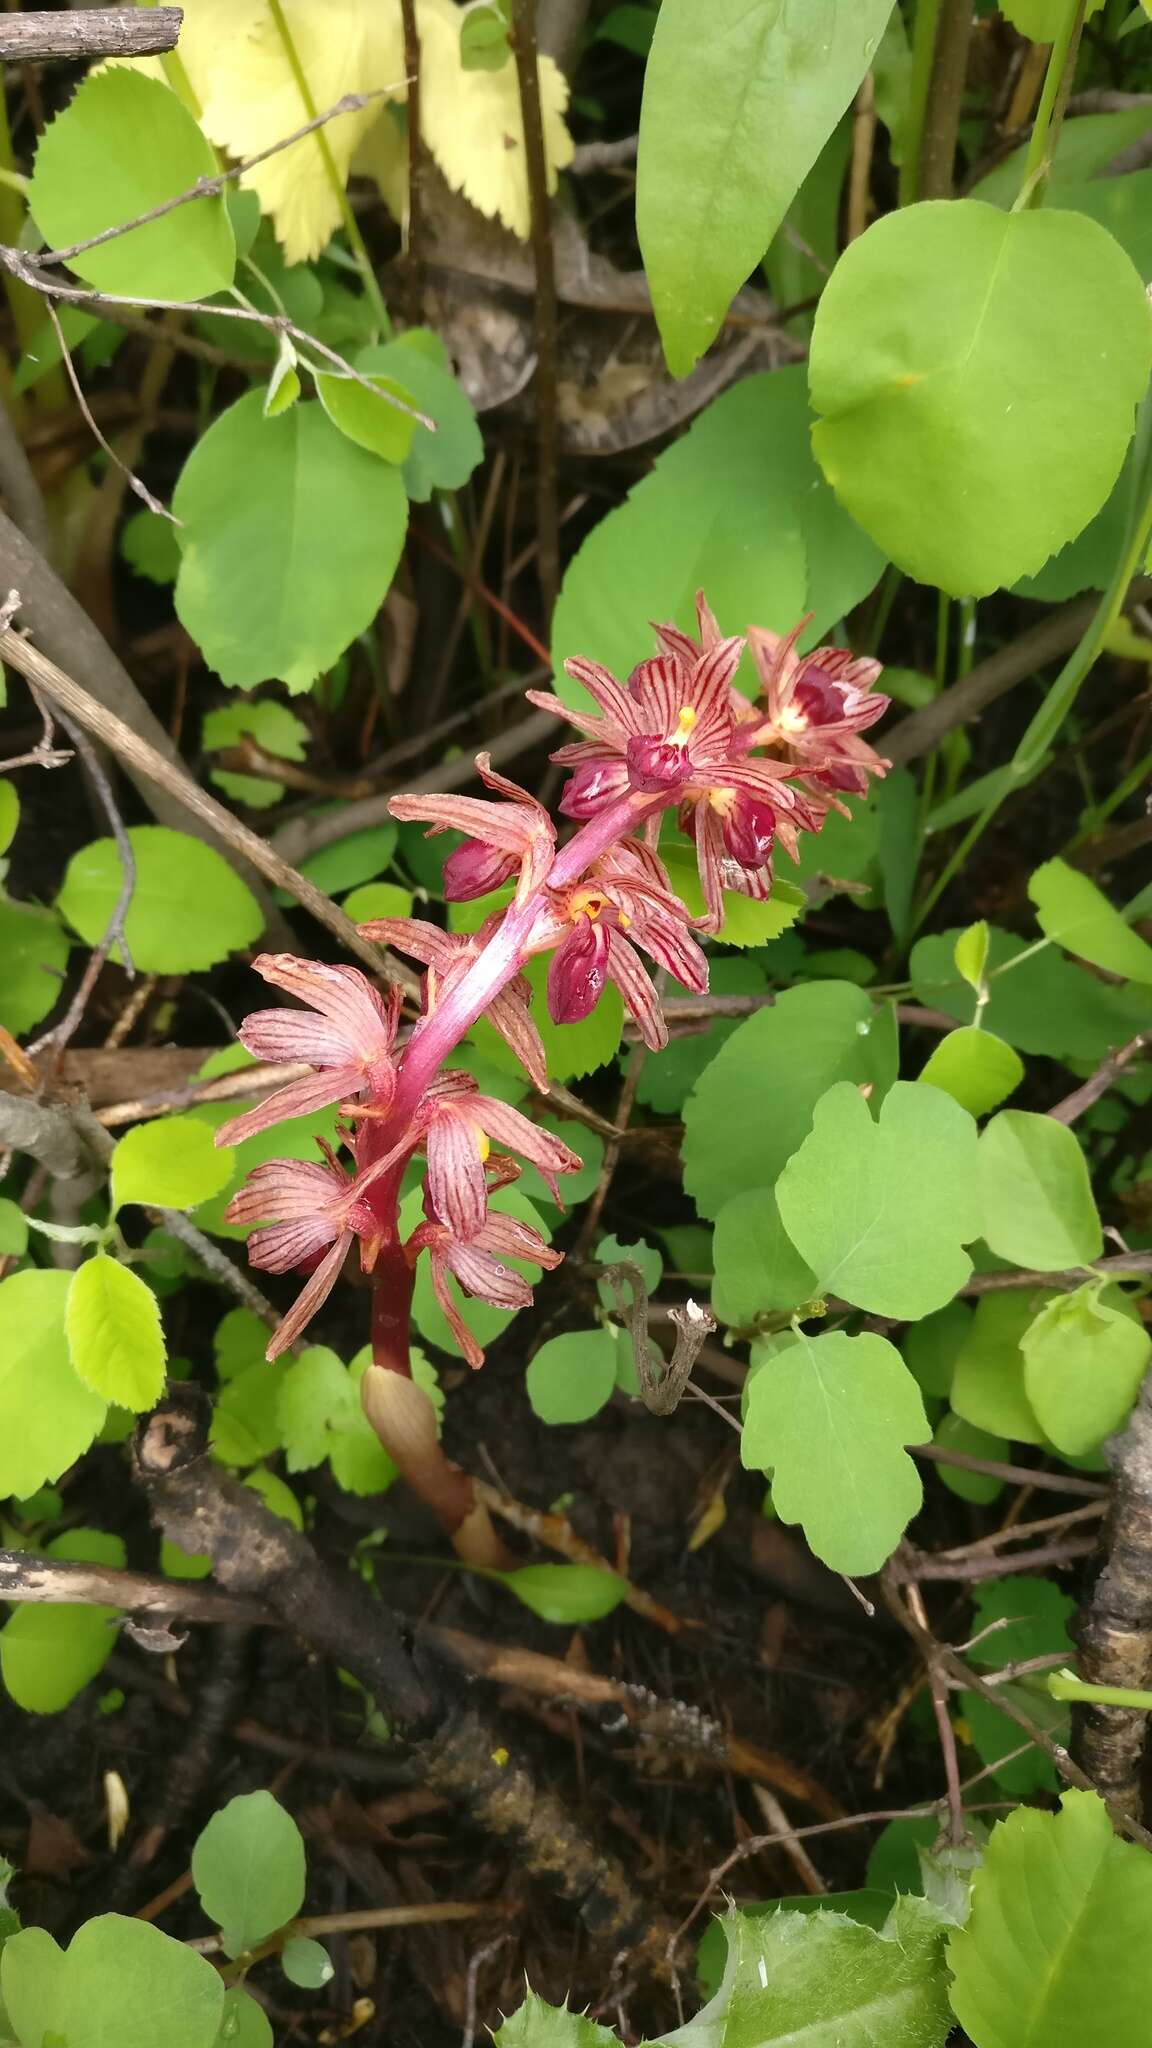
95, 32
26, 1579
1098, 1084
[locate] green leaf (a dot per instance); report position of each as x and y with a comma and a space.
188, 909
746, 922
897, 809
1045, 1005
828, 1982
1035, 1614
931, 1348
737, 507
1054, 1954
977, 1069
1042, 20
731, 123
978, 373
169, 1164
571, 1377
446, 459
33, 957
31, 1981
830, 1417
988, 1387
9, 814
1084, 1360
248, 1869
276, 1496
244, 1426
357, 857
123, 145
1035, 1194
758, 1269
49, 1654
150, 546
292, 535
244, 2024
538, 2025
997, 1740
880, 1210
378, 899
295, 1139
115, 1338
50, 1416
870, 1908
566, 1594
1071, 910
954, 1434
667, 1077
752, 1107
272, 726
484, 44
316, 1397
369, 421
13, 1229
116, 1983
611, 1250
971, 954
306, 1963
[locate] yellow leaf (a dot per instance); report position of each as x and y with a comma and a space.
471, 120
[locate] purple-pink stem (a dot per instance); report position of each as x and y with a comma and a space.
436, 1036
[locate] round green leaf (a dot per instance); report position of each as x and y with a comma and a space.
150, 546
758, 1268
731, 123
1084, 1360
378, 899
9, 814
880, 1211
977, 373
1072, 910
446, 459
306, 1963
120, 1975
1035, 1193
566, 1594
50, 1416
115, 1338
954, 1434
33, 956
357, 857
276, 1495
170, 1164
125, 144
1055, 1951
988, 1380
31, 1978
1046, 1004
931, 1348
292, 535
13, 1229
975, 1068
188, 909
1035, 1617
248, 1868
244, 2024
830, 1416
571, 1377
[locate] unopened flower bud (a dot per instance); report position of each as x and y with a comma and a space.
578, 972
475, 868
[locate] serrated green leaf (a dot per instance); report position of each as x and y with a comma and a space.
123, 145
1084, 1361
830, 1416
272, 726
1019, 343
115, 1337
1036, 1616
571, 1377
1054, 1954
1035, 1194
566, 1594
49, 1654
50, 1416
248, 1869
1078, 916
988, 1382
169, 1164
188, 909
245, 1426
758, 1268
752, 1107
276, 1496
880, 1211
292, 535
316, 1397
33, 956
357, 857
977, 1069
730, 125
737, 507
611, 1250
536, 2024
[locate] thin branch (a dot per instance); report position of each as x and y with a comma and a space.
129, 747
938, 1691
523, 40
913, 1566
135, 483
417, 160
945, 99
1012, 1475
27, 1578
1098, 1084
98, 32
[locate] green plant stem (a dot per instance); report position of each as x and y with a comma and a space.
943, 624
1136, 779
923, 52
1053, 100
28, 316
1064, 1686
351, 224
1058, 702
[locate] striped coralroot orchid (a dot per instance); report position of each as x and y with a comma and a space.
679, 737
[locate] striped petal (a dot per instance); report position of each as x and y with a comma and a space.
627, 971
298, 1098
456, 1183
314, 1294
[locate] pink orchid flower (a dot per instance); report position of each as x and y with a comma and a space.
474, 1261
814, 708
347, 1034
307, 1216
625, 902
448, 956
